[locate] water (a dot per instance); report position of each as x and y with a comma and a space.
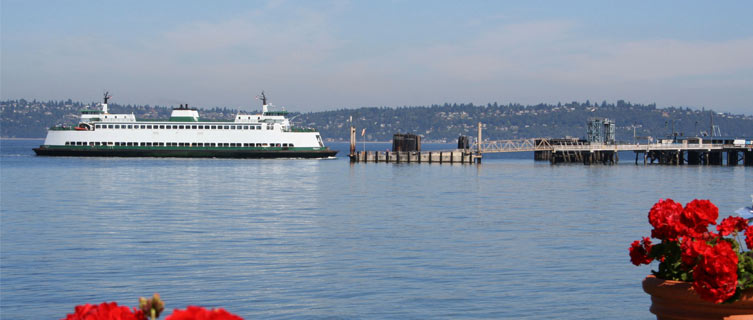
316, 239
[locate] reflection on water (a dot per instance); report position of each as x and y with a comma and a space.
511, 238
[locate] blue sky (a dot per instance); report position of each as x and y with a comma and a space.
320, 55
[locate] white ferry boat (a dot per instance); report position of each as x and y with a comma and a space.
103, 134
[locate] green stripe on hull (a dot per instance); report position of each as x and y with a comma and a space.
183, 152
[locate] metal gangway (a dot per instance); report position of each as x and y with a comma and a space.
512, 145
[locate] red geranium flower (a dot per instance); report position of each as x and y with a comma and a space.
199, 313
105, 311
665, 218
732, 224
715, 275
749, 237
698, 215
691, 250
639, 251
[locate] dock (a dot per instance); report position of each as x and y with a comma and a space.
676, 151
449, 156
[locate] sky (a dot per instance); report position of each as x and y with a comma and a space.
326, 55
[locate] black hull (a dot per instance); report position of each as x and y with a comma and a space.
185, 153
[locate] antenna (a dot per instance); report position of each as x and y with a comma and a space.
107, 96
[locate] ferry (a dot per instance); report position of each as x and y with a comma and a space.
103, 134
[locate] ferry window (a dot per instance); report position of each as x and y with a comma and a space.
290, 145
148, 126
162, 126
109, 126
214, 144
258, 127
194, 127
227, 127
232, 127
180, 127
258, 144
67, 143
245, 127
96, 126
214, 127
264, 144
201, 127
117, 143
130, 126
284, 144
97, 143
143, 126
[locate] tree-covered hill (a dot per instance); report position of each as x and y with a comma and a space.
22, 118
448, 121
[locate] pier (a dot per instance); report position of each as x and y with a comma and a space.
676, 151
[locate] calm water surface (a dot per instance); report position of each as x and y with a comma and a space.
324, 239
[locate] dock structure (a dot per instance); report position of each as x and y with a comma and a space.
406, 148
448, 156
572, 151
676, 151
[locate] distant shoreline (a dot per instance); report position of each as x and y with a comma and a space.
6, 138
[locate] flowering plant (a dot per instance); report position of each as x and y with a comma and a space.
714, 262
148, 308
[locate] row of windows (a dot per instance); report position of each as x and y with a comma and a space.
175, 144
181, 126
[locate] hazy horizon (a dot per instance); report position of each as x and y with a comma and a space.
339, 54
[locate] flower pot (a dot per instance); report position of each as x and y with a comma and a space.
672, 300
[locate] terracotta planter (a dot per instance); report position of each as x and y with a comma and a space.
672, 300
